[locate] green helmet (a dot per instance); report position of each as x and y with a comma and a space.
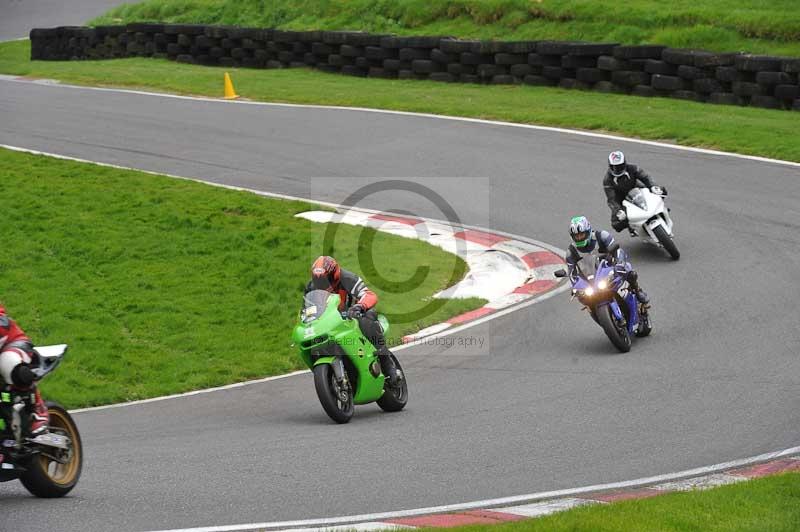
581, 231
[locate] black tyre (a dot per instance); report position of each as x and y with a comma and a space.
617, 333
50, 479
724, 98
591, 75
667, 242
646, 51
339, 407
655, 66
668, 83
678, 56
394, 398
707, 86
630, 78
791, 65
757, 63
767, 102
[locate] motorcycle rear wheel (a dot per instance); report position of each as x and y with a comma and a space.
394, 398
667, 242
47, 478
618, 335
325, 384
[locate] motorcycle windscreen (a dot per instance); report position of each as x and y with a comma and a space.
587, 266
636, 197
314, 304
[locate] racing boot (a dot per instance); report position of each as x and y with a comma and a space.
40, 418
642, 296
387, 366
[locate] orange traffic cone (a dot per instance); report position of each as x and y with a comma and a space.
230, 94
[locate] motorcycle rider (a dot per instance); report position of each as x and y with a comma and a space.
358, 301
16, 358
620, 178
586, 241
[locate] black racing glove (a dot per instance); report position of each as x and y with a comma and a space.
355, 312
659, 190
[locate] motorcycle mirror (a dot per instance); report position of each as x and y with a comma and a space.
560, 273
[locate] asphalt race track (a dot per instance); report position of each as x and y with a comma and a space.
17, 17
547, 403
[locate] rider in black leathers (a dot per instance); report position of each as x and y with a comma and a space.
620, 178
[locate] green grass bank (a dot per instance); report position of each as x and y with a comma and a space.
748, 25
770, 504
752, 131
163, 285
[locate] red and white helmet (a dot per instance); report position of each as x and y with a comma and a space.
616, 163
325, 273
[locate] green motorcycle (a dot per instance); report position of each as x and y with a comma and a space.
345, 365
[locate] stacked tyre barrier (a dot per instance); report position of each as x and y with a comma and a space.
642, 70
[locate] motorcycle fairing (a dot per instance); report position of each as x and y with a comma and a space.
339, 338
647, 210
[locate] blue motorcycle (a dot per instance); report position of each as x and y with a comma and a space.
603, 290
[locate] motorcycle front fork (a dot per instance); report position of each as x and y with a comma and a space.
340, 375
16, 422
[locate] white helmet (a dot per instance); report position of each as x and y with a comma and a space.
616, 163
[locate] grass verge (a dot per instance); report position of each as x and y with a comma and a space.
752, 25
162, 285
766, 504
753, 131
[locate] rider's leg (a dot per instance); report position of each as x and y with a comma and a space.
14, 367
15, 370
633, 282
40, 419
371, 328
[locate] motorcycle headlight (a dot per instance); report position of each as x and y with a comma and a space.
605, 283
589, 291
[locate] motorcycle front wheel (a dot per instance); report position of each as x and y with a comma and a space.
616, 332
667, 241
49, 478
394, 398
336, 402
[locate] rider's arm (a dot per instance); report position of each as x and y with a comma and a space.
358, 290
643, 177
363, 295
607, 245
611, 194
572, 264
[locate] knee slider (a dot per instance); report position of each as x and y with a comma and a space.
22, 375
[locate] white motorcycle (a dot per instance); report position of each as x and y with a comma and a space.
649, 217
